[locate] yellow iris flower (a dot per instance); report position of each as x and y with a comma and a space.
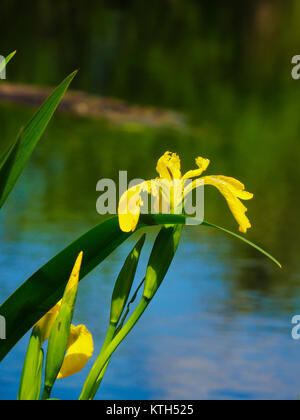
80, 350
169, 170
80, 346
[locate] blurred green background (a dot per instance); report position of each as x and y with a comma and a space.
225, 66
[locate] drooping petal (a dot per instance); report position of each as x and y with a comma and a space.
128, 213
45, 324
129, 209
80, 350
168, 166
202, 164
232, 194
237, 187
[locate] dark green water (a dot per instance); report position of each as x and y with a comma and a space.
221, 324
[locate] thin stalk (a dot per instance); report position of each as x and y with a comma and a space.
90, 387
112, 331
128, 306
46, 393
30, 386
109, 337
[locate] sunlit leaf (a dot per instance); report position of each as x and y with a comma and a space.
30, 136
4, 63
124, 282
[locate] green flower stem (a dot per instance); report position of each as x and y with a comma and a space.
30, 386
46, 393
109, 335
108, 339
90, 387
112, 331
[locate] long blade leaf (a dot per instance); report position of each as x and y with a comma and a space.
7, 164
32, 133
4, 63
258, 248
45, 288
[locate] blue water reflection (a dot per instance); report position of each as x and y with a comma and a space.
200, 338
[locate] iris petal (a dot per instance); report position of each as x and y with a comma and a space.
129, 209
168, 166
202, 164
237, 187
232, 195
169, 169
80, 350
45, 324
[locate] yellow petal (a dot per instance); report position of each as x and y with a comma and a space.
80, 350
156, 195
168, 166
231, 194
237, 187
45, 324
129, 209
202, 164
74, 278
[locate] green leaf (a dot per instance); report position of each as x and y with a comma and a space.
10, 149
7, 164
45, 288
161, 257
30, 386
118, 301
30, 136
4, 63
132, 300
124, 282
242, 238
161, 219
60, 332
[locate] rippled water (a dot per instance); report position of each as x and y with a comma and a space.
200, 338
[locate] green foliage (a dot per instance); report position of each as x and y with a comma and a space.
124, 282
161, 257
243, 239
15, 158
4, 63
60, 332
57, 347
7, 162
30, 386
45, 288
